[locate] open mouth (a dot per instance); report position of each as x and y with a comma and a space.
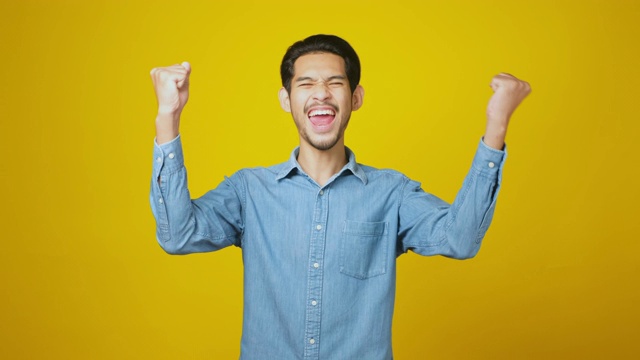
321, 116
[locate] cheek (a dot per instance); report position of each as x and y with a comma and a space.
344, 99
297, 110
346, 105
297, 103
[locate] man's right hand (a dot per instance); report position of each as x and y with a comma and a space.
171, 85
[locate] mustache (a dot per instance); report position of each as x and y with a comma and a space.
331, 105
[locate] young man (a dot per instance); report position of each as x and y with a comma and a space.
320, 233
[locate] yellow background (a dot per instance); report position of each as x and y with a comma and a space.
83, 277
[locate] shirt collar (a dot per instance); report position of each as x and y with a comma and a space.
351, 165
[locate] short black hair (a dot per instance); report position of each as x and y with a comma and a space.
321, 44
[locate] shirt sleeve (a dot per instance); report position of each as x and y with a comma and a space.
183, 225
430, 226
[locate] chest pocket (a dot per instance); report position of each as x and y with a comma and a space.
363, 251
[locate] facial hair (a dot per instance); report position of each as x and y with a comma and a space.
319, 144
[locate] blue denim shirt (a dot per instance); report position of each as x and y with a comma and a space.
320, 262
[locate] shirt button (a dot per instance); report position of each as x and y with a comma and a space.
491, 164
321, 192
318, 227
161, 201
172, 155
159, 159
314, 303
312, 341
316, 265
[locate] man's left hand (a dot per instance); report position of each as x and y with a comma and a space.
509, 92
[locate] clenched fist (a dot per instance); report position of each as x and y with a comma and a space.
508, 93
171, 85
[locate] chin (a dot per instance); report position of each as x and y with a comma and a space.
324, 145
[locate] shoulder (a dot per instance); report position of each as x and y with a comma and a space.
261, 172
390, 179
374, 173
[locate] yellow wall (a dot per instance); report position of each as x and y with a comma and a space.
81, 275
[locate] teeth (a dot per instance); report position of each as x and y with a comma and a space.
321, 112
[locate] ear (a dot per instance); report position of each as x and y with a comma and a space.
357, 98
284, 100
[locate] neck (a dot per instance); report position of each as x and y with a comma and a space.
321, 165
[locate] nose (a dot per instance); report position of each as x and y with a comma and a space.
321, 92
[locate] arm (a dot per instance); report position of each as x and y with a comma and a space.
183, 225
430, 226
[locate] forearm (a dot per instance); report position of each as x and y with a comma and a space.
472, 211
171, 209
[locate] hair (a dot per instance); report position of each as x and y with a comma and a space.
321, 44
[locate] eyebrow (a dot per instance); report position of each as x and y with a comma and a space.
330, 78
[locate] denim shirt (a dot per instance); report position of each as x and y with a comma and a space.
320, 261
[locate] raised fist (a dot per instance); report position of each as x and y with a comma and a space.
171, 85
508, 94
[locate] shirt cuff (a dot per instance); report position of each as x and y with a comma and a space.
168, 157
489, 161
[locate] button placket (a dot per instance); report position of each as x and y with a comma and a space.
315, 278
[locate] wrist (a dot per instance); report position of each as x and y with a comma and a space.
167, 127
495, 135
493, 142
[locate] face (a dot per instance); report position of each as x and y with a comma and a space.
320, 100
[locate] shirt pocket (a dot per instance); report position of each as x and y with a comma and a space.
363, 251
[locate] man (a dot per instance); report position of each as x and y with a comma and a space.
320, 233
